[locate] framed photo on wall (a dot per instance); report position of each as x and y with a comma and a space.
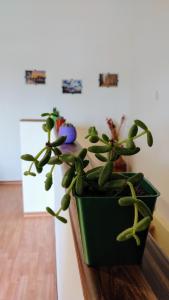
35, 77
72, 86
108, 80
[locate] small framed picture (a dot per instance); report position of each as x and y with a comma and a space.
72, 86
35, 77
108, 80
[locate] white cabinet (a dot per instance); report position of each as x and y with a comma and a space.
68, 276
35, 198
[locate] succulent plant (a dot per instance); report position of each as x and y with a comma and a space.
100, 180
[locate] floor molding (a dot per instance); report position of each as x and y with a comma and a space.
36, 214
11, 182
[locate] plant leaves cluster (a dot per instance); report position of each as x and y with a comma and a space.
98, 180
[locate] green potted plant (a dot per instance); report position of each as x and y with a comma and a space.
114, 209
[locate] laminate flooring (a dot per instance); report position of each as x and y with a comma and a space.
27, 250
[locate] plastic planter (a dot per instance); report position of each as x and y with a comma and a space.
101, 219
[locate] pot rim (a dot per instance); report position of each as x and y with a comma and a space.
154, 193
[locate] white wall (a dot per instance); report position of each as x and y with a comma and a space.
150, 90
68, 39
80, 39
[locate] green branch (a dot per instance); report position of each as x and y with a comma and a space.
135, 212
134, 138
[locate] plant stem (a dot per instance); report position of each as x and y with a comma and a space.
137, 239
109, 155
30, 166
40, 152
135, 217
52, 168
58, 212
103, 141
135, 211
134, 138
36, 157
132, 189
49, 136
71, 185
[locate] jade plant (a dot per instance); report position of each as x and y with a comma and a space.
97, 181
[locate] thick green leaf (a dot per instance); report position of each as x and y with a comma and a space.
115, 156
79, 165
144, 209
136, 178
93, 170
62, 219
67, 158
54, 114
57, 151
140, 124
101, 157
26, 173
49, 123
54, 160
127, 201
149, 138
143, 224
48, 174
94, 139
93, 174
59, 141
92, 131
115, 184
44, 127
68, 176
79, 185
127, 151
65, 202
44, 114
85, 163
38, 169
125, 235
32, 174
50, 211
100, 149
133, 131
105, 173
48, 182
105, 138
82, 153
27, 157
45, 158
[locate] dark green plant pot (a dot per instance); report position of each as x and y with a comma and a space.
101, 219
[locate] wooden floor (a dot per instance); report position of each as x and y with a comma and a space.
27, 250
